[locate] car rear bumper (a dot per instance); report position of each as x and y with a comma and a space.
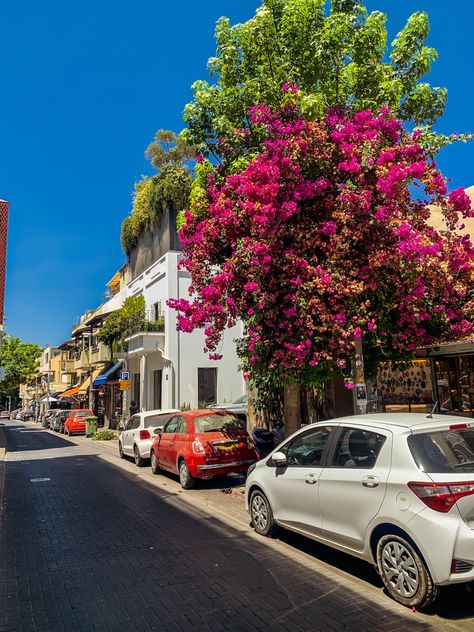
144, 447
214, 469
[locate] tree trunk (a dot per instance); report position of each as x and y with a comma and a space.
291, 408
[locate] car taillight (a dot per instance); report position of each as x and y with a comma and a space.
144, 434
441, 496
198, 447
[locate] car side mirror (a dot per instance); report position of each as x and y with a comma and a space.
279, 459
158, 431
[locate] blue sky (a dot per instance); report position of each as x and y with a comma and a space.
85, 86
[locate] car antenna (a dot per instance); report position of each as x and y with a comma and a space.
430, 416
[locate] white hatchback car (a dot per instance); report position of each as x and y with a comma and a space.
139, 433
393, 489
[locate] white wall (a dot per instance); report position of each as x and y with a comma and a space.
183, 352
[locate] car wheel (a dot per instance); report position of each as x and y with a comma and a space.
187, 481
262, 514
155, 466
404, 573
68, 432
139, 462
121, 454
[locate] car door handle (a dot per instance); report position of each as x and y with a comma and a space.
311, 479
170, 443
370, 481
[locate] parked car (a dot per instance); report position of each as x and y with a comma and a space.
14, 413
394, 489
138, 434
202, 444
238, 407
75, 421
56, 422
25, 415
4, 414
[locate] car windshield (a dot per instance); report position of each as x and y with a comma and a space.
218, 423
445, 451
241, 400
153, 421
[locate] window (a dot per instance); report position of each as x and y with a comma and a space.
172, 425
217, 423
156, 310
447, 451
207, 386
182, 429
135, 422
306, 450
157, 389
357, 448
152, 421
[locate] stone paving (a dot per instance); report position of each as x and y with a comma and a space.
86, 545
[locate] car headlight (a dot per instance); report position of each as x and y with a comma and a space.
251, 469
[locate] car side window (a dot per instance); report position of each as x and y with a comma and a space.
306, 450
134, 423
172, 425
182, 429
358, 448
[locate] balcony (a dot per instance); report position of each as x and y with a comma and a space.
100, 354
81, 360
67, 366
146, 335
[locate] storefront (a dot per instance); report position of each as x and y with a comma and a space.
452, 367
109, 396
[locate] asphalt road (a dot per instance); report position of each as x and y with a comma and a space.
86, 545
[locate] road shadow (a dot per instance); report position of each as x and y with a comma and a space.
37, 439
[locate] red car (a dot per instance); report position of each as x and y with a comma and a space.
202, 444
76, 420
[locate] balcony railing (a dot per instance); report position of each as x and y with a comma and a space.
145, 325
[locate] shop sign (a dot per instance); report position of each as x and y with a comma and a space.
124, 385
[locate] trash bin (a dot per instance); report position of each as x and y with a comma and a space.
91, 426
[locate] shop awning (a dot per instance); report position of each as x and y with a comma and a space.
71, 392
104, 377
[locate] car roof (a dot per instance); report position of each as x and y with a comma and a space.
159, 411
415, 422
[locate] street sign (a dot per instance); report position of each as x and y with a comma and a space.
125, 375
2, 373
124, 385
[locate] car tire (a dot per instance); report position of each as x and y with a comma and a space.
404, 573
262, 514
155, 465
139, 462
187, 481
121, 454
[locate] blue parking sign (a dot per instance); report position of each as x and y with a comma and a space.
124, 375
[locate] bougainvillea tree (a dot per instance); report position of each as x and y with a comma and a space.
322, 239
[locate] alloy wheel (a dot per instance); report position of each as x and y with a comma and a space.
400, 569
259, 512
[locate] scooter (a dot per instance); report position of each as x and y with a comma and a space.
264, 441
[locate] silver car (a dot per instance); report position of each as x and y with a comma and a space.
396, 490
138, 434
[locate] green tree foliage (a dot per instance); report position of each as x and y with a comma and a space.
153, 195
130, 318
336, 57
20, 360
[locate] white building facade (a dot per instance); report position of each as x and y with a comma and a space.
169, 368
